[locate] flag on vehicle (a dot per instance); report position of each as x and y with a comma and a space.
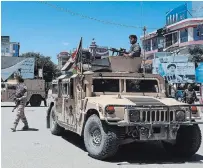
78, 57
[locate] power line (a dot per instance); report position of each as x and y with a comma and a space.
91, 18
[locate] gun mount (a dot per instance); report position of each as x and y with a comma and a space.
119, 52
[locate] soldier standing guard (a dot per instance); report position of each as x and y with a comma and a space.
135, 49
21, 99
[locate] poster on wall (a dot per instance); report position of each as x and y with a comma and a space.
177, 72
199, 73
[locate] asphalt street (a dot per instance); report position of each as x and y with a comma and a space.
38, 148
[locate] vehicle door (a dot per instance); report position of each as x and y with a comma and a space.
59, 102
69, 105
11, 89
3, 92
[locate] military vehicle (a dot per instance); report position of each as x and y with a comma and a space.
110, 107
36, 91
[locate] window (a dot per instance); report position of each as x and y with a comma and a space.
147, 45
183, 35
3, 85
134, 85
106, 85
54, 88
11, 87
175, 37
65, 89
154, 44
198, 33
168, 40
70, 89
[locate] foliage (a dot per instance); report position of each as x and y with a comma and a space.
50, 70
197, 54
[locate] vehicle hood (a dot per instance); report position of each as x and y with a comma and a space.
133, 100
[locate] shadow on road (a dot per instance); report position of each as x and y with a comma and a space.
137, 153
30, 129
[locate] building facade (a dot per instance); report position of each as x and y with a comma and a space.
62, 57
8, 48
177, 37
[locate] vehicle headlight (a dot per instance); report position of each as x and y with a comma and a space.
134, 115
180, 115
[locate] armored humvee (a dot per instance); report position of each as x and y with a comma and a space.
35, 87
109, 108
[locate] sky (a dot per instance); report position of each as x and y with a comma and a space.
41, 28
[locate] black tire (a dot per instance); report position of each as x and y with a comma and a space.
54, 127
35, 100
187, 143
107, 140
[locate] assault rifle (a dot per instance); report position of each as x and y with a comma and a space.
119, 52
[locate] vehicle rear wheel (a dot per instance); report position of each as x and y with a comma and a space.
100, 140
187, 143
35, 100
54, 127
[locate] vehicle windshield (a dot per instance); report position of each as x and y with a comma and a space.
106, 85
135, 85
11, 86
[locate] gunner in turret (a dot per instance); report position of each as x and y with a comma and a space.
135, 50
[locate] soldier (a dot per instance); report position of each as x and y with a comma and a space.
21, 99
189, 95
135, 50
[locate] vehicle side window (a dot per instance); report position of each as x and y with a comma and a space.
134, 85
11, 87
60, 89
54, 89
65, 89
70, 89
3, 85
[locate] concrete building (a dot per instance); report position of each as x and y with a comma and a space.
177, 37
8, 48
62, 57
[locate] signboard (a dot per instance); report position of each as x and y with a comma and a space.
199, 73
175, 69
5, 39
177, 72
24, 67
160, 58
176, 14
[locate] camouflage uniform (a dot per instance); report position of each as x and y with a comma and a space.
135, 50
189, 96
21, 97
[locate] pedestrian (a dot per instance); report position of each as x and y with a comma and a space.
21, 100
135, 49
189, 95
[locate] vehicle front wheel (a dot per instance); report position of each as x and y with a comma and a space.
35, 101
187, 143
54, 127
100, 140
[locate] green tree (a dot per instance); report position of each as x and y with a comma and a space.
197, 54
49, 69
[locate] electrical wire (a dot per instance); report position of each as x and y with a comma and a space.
91, 18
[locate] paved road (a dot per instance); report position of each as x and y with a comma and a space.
37, 148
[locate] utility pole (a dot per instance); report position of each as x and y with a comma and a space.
144, 30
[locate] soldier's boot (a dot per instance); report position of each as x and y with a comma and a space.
14, 127
26, 127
